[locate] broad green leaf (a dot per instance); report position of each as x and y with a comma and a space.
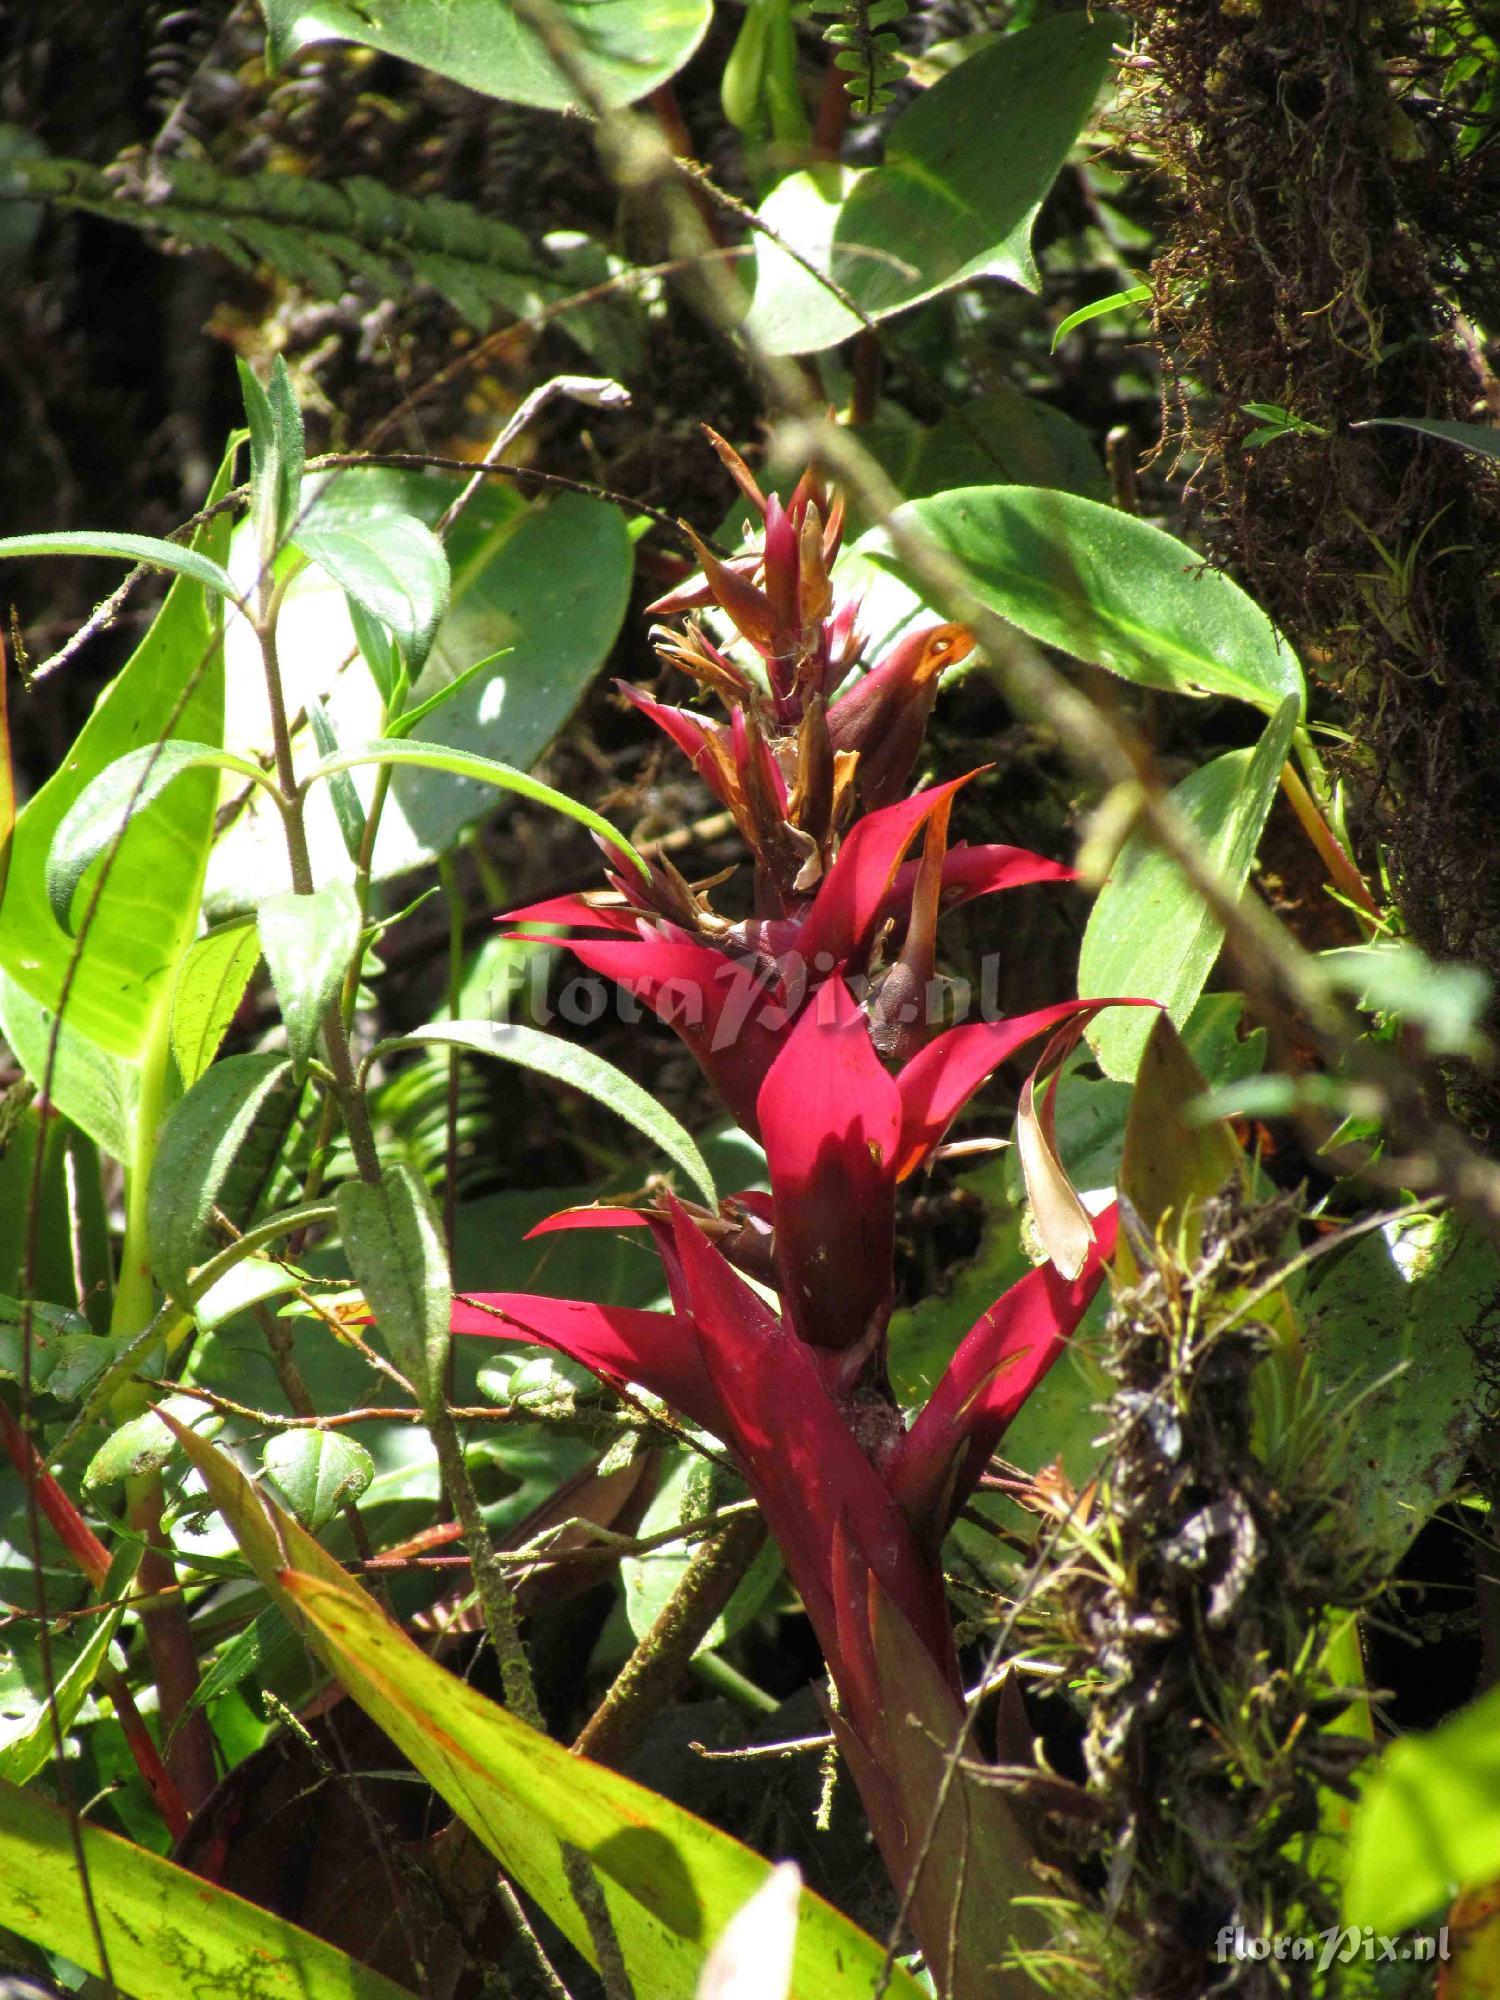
211, 982
585, 1071
215, 1151
966, 168
649, 1580
1133, 295
317, 1472
1428, 1821
671, 1881
1107, 588
186, 561
1481, 438
626, 47
539, 594
1400, 1307
277, 454
170, 1935
148, 911
96, 1090
309, 942
394, 1242
106, 808
390, 564
248, 1283
1150, 935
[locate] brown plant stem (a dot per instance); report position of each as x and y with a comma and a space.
646, 1681
169, 1644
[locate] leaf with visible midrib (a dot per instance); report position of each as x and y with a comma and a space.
626, 47
1107, 588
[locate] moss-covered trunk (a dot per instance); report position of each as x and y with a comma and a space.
1334, 210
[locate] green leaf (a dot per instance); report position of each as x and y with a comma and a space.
966, 168
93, 1088
211, 982
148, 911
1428, 1821
394, 1242
1107, 588
626, 47
266, 1633
1133, 295
185, 561
1003, 437
27, 1749
277, 455
1150, 935
585, 1071
143, 1444
392, 565
317, 1472
1481, 438
215, 1151
105, 809
309, 942
347, 807
671, 1881
1392, 1318
169, 1933
485, 770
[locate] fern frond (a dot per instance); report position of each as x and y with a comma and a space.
870, 56
320, 234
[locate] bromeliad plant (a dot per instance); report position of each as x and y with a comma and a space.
814, 1020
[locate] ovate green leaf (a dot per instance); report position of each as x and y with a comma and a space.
308, 942
626, 47
215, 1151
966, 168
394, 1242
318, 1472
1107, 588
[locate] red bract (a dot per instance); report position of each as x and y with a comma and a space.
815, 1450
733, 991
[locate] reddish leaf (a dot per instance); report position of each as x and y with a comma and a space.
831, 1121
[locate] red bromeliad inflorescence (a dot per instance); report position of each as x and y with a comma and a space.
810, 1020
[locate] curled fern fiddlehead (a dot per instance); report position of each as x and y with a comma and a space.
865, 49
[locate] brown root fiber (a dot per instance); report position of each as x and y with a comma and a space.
1334, 232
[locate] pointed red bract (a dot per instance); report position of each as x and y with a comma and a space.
830, 1119
939, 1080
717, 1005
658, 1350
797, 1451
852, 895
